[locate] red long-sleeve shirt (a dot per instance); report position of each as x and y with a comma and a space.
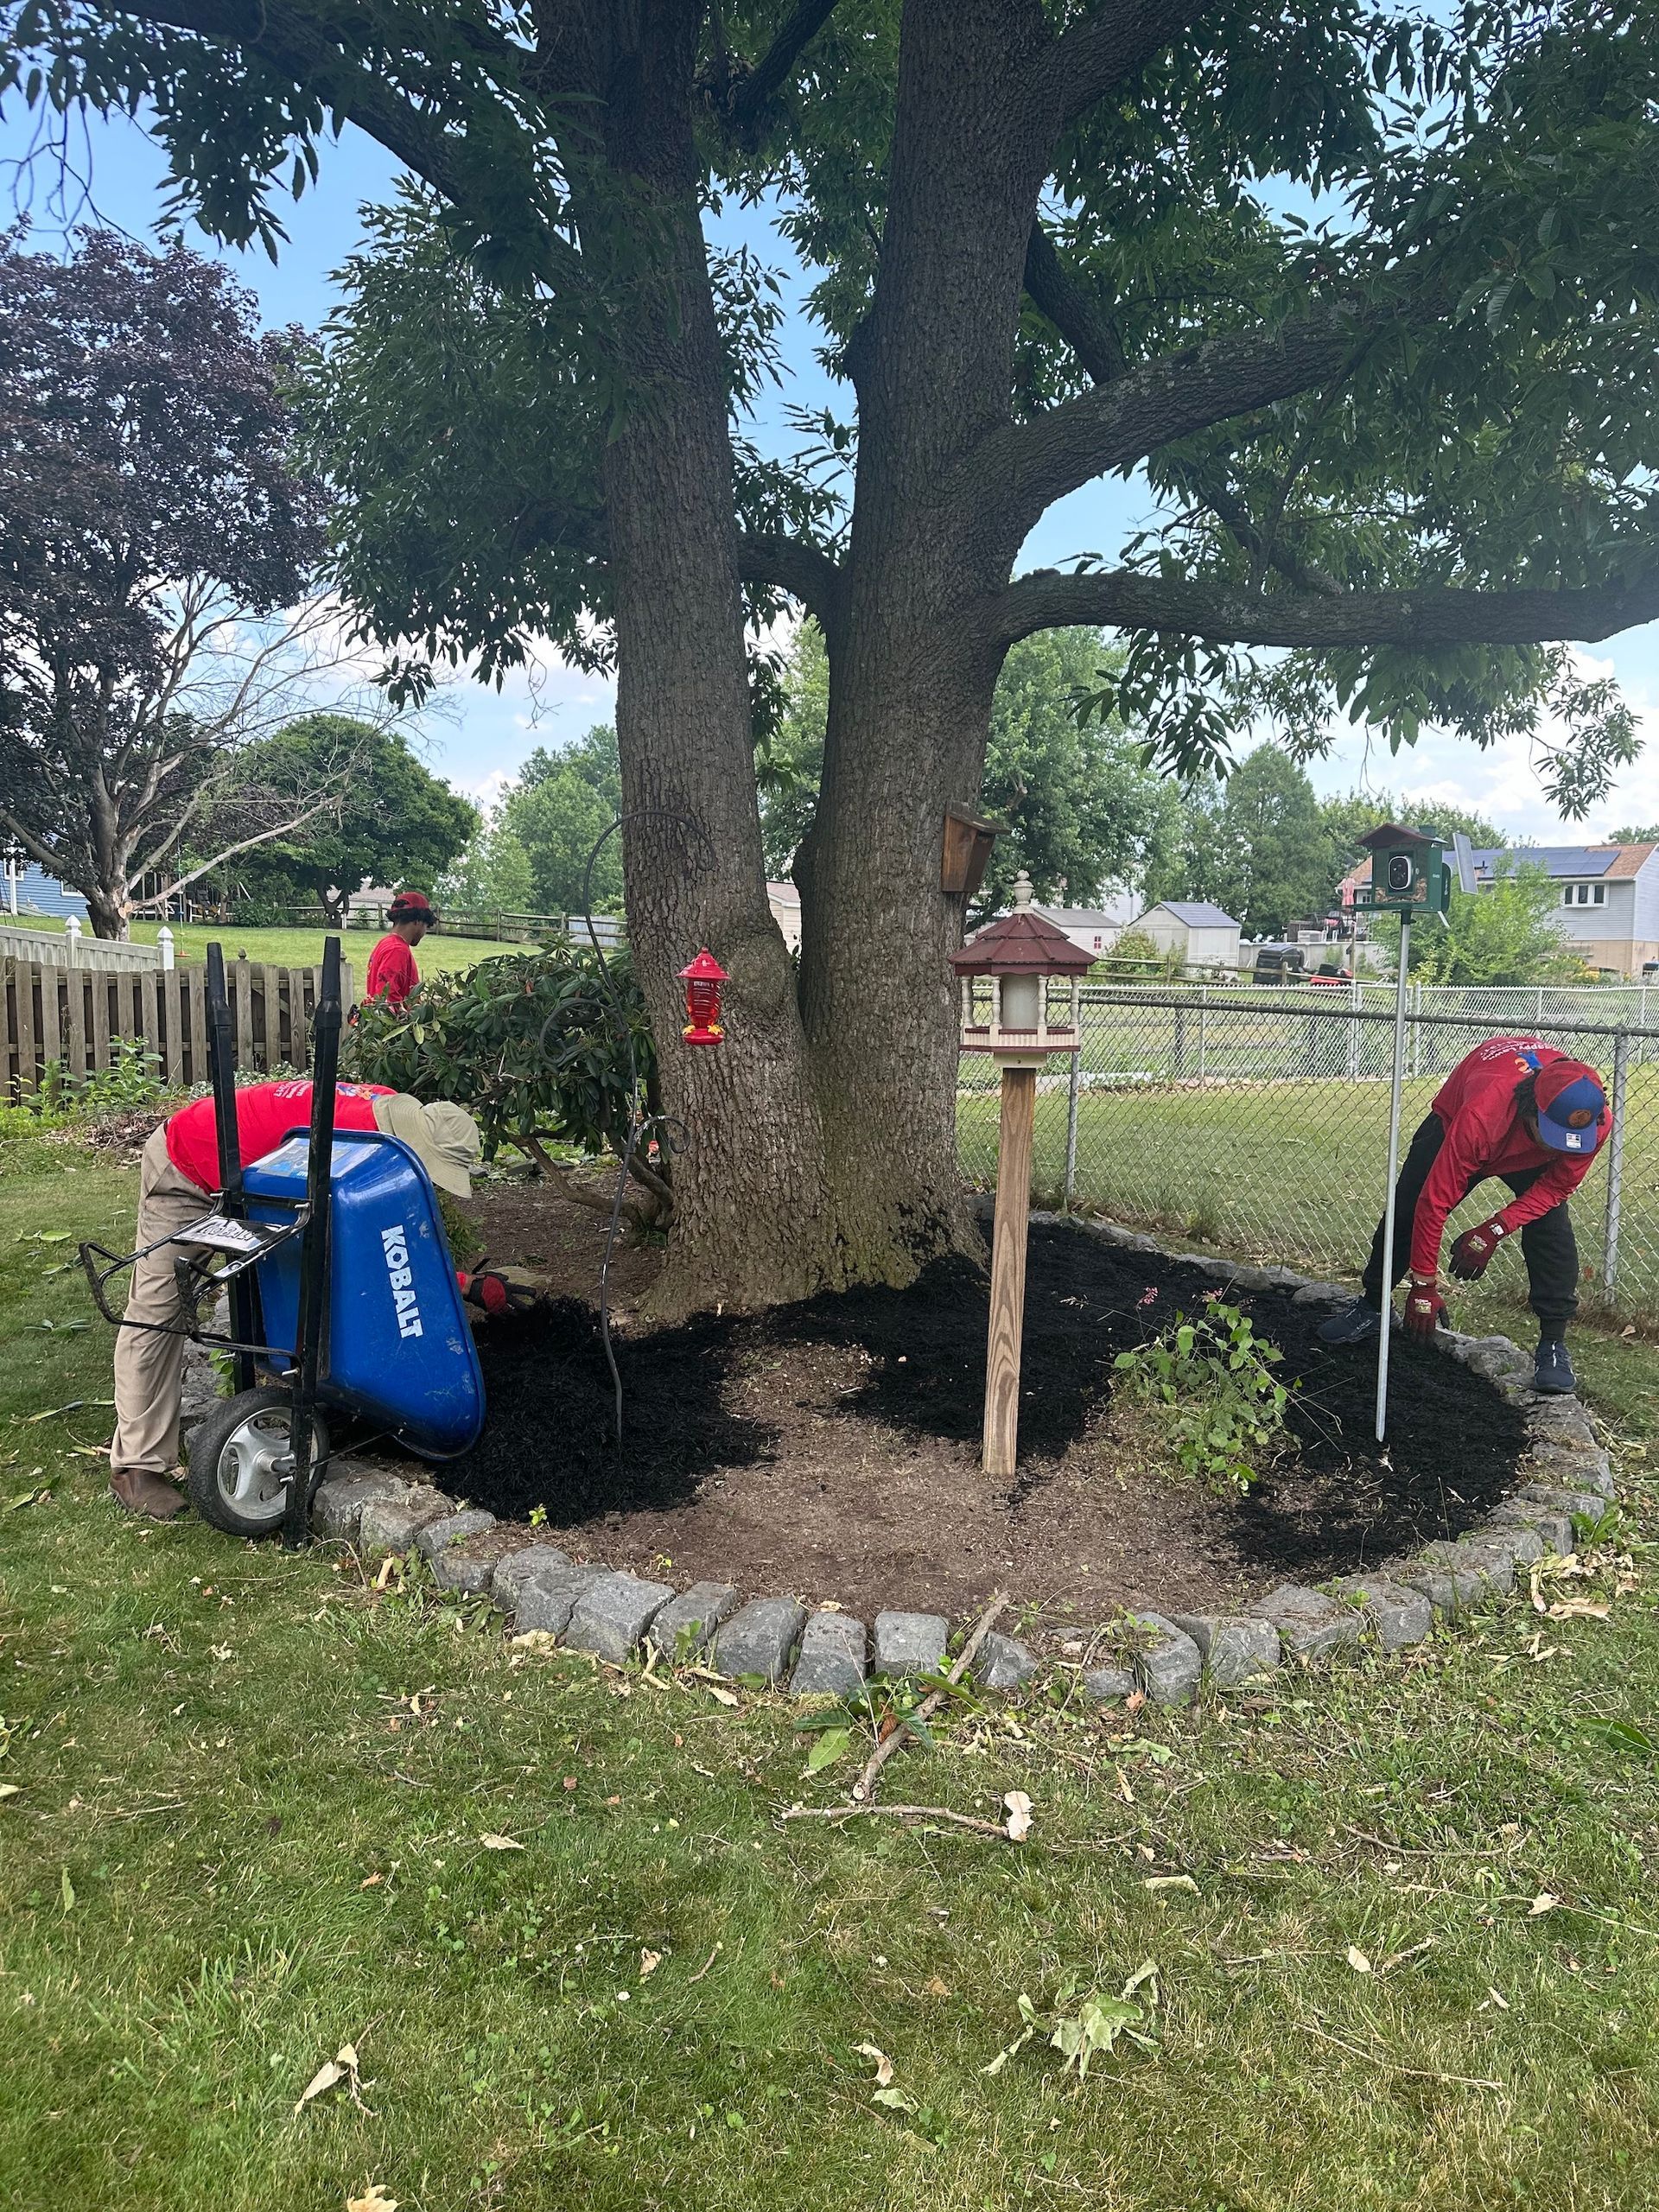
1485, 1136
266, 1112
393, 973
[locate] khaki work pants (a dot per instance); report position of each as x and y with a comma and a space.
149, 1365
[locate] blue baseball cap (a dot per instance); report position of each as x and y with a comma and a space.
1571, 1103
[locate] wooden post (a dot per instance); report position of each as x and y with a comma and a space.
1001, 1437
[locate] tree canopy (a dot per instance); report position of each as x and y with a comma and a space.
558, 807
397, 822
1364, 293
152, 524
1255, 843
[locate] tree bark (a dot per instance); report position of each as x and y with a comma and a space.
754, 1219
911, 679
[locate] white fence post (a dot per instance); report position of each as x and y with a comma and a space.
164, 946
1615, 1169
72, 934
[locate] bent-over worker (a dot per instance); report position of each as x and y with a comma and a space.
1530, 1114
178, 1178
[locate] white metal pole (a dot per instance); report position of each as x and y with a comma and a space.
1394, 1169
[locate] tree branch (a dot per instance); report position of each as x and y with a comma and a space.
244, 845
1126, 600
1234, 516
745, 100
806, 571
1023, 468
1107, 49
299, 43
1086, 328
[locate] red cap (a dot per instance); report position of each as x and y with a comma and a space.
408, 904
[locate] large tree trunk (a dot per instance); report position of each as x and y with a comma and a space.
754, 1222
109, 911
911, 673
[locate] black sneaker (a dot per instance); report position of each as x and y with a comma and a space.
1552, 1371
1354, 1325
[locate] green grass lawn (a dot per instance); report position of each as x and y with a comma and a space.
297, 948
247, 1820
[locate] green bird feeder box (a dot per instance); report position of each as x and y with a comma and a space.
1409, 876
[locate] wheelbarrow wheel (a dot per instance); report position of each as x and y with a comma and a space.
239, 1461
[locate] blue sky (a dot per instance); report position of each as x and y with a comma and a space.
483, 735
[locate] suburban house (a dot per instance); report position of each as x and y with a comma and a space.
1094, 929
785, 901
1201, 934
1607, 897
29, 890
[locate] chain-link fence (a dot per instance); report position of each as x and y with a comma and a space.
1256, 1122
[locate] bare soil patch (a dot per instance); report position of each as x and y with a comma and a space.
831, 1448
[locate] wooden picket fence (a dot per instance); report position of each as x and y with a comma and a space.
71, 1019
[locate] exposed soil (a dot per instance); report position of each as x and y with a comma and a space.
831, 1448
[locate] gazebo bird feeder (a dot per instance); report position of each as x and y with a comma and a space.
702, 978
1020, 956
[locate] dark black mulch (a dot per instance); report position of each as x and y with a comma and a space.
1452, 1443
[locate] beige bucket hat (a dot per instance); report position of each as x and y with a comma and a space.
443, 1137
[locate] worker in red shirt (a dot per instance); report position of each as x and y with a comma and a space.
178, 1176
1530, 1114
393, 973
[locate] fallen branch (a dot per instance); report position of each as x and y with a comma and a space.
704, 1967
1417, 2073
888, 1745
898, 1813
564, 1180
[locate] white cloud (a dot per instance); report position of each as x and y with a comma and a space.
1503, 782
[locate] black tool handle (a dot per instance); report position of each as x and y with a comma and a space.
221, 1066
315, 1247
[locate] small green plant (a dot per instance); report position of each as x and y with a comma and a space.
1211, 1379
131, 1080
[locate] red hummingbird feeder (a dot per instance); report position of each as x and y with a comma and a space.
702, 979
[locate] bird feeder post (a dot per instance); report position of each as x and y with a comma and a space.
1002, 1350
1018, 954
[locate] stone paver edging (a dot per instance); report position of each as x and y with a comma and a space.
1170, 1657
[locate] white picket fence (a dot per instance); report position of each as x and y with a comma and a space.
75, 949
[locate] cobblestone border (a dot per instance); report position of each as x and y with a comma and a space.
613, 1615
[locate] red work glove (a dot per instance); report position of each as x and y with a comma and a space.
1474, 1248
1425, 1308
502, 1290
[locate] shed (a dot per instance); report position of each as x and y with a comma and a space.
1201, 934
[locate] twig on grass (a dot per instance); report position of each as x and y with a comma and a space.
704, 1967
1417, 2073
898, 1813
888, 1745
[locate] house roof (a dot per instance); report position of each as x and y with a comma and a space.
1195, 913
1605, 863
1632, 859
783, 894
1091, 918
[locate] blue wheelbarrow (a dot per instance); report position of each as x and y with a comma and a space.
343, 1300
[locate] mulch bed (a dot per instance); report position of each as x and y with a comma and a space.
831, 1448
